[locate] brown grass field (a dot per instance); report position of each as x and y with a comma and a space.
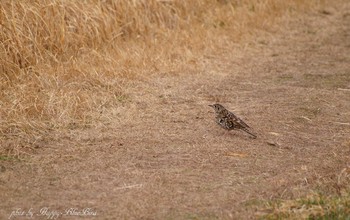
104, 107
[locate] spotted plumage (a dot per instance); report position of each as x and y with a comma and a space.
230, 121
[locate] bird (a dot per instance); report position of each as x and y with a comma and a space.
230, 121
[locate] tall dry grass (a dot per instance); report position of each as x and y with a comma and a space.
64, 63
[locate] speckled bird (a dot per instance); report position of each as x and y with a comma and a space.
230, 121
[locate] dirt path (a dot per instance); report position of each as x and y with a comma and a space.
163, 157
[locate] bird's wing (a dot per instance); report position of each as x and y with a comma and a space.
238, 121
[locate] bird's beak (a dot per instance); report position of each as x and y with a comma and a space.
211, 106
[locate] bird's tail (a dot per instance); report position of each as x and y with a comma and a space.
249, 132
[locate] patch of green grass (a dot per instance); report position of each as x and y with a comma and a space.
253, 203
312, 207
6, 158
122, 98
284, 78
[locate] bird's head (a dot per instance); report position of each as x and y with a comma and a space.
217, 107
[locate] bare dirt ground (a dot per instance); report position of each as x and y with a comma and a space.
163, 157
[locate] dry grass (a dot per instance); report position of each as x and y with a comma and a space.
66, 64
153, 151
